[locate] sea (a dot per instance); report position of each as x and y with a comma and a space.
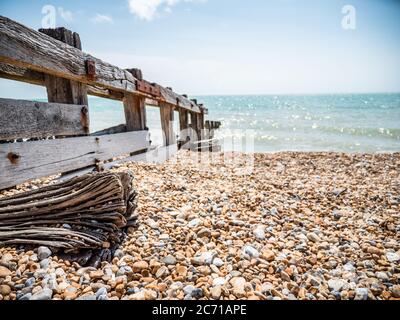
354, 123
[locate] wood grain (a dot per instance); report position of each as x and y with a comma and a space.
23, 161
29, 119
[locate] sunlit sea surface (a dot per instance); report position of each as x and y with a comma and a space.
348, 123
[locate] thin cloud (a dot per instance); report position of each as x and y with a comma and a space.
102, 18
149, 9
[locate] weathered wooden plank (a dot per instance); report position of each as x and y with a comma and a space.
23, 161
29, 119
24, 47
135, 112
8, 71
30, 49
178, 100
167, 124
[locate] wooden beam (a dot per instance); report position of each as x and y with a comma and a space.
167, 124
29, 119
23, 161
8, 71
27, 48
180, 101
135, 112
30, 49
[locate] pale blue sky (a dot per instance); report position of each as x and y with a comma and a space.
233, 46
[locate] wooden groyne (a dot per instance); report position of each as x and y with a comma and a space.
42, 139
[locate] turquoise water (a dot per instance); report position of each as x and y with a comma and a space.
348, 123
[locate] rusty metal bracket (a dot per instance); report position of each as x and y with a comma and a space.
149, 88
90, 68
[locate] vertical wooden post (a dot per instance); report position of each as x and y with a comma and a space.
135, 112
135, 107
200, 124
197, 123
61, 90
183, 119
167, 123
193, 123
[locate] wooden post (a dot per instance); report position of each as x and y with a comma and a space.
193, 123
183, 126
183, 119
135, 107
200, 124
167, 123
135, 112
197, 123
61, 90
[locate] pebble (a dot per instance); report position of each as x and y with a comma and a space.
204, 233
152, 224
313, 237
219, 281
139, 266
259, 232
44, 264
5, 290
119, 253
4, 272
216, 292
101, 292
45, 294
238, 285
361, 294
169, 260
393, 257
336, 284
218, 262
27, 296
30, 282
96, 274
161, 272
43, 253
204, 258
268, 255
251, 251
195, 223
396, 291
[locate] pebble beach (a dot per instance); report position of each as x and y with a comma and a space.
299, 226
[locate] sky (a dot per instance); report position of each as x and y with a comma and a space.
209, 47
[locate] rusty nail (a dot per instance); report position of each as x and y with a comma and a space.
13, 157
91, 68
